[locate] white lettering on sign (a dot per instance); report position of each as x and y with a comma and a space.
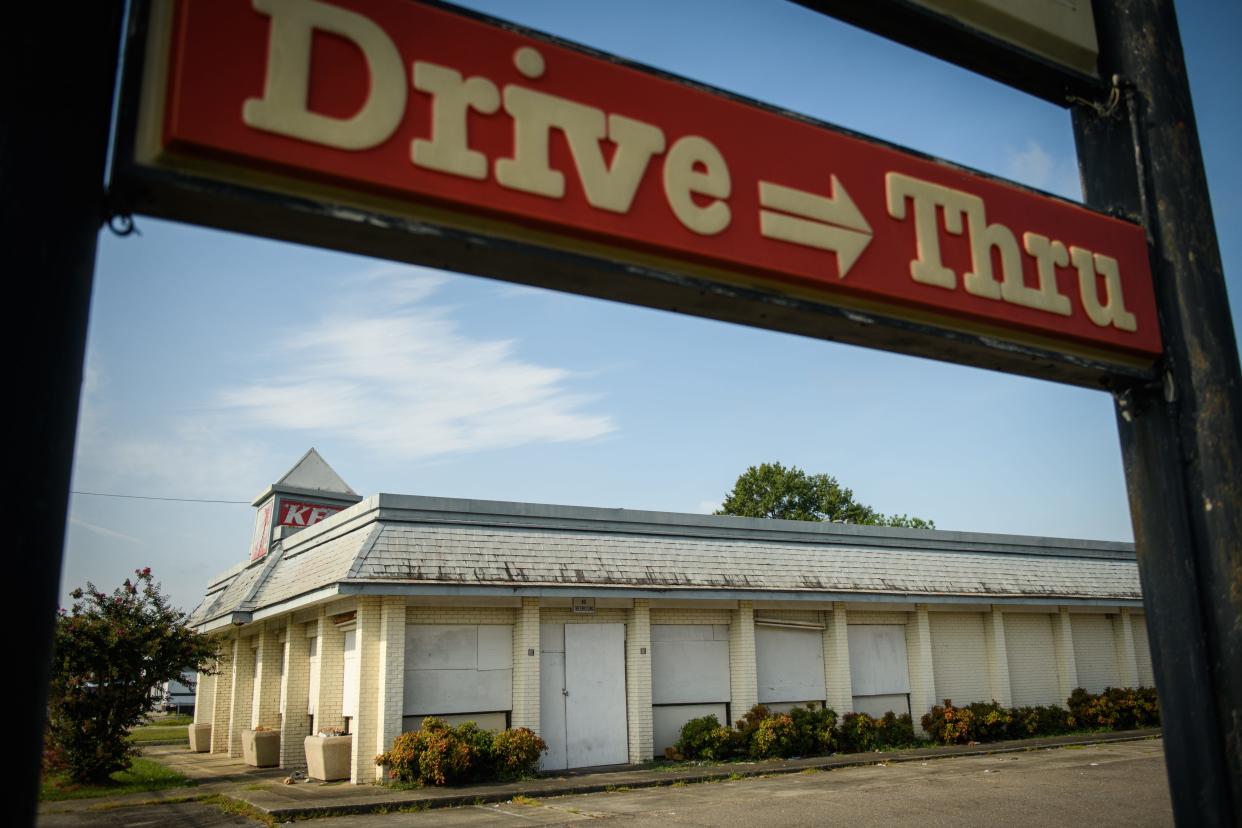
964, 212
293, 513
696, 179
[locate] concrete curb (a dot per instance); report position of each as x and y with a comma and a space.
427, 798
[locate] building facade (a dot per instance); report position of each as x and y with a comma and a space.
604, 630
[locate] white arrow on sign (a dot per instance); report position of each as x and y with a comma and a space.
828, 223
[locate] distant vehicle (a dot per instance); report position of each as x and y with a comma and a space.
177, 696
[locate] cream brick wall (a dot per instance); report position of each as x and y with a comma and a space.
204, 698
1095, 653
242, 695
1031, 650
365, 726
959, 655
389, 676
998, 658
837, 681
566, 615
331, 674
525, 712
1063, 643
1142, 650
460, 615
295, 723
800, 616
679, 615
1123, 645
270, 654
743, 674
870, 617
222, 702
921, 664
638, 682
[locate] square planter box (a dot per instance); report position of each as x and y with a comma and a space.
200, 737
327, 757
261, 748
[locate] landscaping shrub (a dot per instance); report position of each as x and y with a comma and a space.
1041, 720
815, 729
774, 736
989, 721
439, 754
748, 725
516, 752
705, 738
1115, 708
896, 731
858, 733
949, 725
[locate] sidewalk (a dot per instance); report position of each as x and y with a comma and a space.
263, 789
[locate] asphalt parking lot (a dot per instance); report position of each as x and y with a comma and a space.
1119, 784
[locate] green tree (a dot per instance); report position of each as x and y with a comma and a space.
109, 652
771, 490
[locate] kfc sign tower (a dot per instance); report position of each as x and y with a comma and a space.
308, 493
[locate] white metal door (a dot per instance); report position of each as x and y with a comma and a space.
552, 709
595, 721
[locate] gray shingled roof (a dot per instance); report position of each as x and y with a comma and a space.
402, 544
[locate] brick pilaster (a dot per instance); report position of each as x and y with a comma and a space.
270, 657
390, 675
526, 678
998, 657
638, 681
1123, 641
294, 721
204, 698
365, 726
837, 679
331, 674
743, 674
1063, 646
922, 668
242, 695
222, 698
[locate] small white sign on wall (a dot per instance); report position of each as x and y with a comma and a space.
584, 606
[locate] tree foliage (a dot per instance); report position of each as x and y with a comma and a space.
109, 652
771, 490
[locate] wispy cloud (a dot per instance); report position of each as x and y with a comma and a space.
1036, 167
104, 531
394, 374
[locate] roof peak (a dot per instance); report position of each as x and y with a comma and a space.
313, 472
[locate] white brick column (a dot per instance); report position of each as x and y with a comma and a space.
204, 698
743, 675
1123, 642
526, 666
331, 674
922, 673
222, 700
365, 726
837, 679
295, 722
638, 681
1063, 646
270, 654
390, 677
242, 695
998, 657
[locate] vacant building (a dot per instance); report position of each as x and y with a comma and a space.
605, 629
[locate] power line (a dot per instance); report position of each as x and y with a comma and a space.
150, 497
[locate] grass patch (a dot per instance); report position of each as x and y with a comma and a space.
232, 806
616, 788
159, 733
523, 799
680, 783
143, 775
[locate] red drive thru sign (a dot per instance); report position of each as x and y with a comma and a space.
444, 115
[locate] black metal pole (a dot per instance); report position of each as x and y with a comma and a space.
1181, 439
60, 67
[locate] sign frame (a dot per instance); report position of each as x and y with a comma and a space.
559, 262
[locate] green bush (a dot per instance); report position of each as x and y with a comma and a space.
705, 738
989, 721
896, 731
1115, 708
1041, 720
858, 733
815, 728
439, 754
775, 736
516, 752
949, 725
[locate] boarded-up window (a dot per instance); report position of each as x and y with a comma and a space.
879, 672
349, 696
1142, 651
1094, 652
790, 664
458, 668
959, 657
1031, 650
689, 663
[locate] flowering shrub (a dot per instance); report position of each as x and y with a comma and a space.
516, 753
1115, 708
775, 736
439, 754
949, 725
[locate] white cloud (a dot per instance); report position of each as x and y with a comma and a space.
1035, 167
395, 375
104, 531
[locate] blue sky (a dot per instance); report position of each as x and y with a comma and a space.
215, 360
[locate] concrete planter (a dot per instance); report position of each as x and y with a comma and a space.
261, 748
200, 737
327, 757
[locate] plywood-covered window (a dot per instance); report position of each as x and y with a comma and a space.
879, 672
456, 669
689, 677
1095, 654
1031, 650
789, 662
959, 657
